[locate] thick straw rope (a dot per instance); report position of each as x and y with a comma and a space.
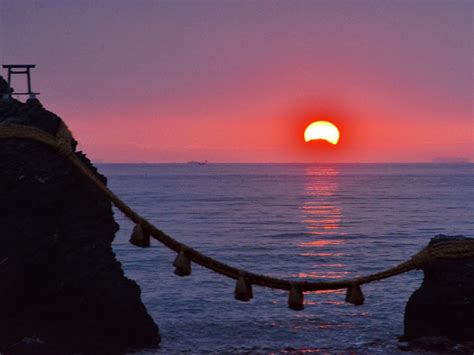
62, 143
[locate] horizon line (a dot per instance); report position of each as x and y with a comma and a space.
275, 163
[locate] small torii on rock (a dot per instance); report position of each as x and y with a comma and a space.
19, 69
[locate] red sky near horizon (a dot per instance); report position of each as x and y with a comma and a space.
238, 81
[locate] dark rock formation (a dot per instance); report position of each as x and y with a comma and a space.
62, 290
444, 304
4, 89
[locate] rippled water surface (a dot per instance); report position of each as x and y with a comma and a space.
314, 222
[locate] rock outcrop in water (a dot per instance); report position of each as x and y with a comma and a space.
62, 289
441, 311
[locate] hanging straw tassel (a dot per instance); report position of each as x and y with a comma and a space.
354, 295
243, 289
182, 264
139, 237
249, 285
295, 299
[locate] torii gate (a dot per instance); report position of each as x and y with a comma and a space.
19, 69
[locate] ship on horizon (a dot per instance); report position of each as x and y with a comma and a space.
456, 160
195, 162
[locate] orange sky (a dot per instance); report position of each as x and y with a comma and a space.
238, 81
275, 134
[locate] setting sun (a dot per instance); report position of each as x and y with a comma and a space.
322, 130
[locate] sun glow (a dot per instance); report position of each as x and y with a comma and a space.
322, 130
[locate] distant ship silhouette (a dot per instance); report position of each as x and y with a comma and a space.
195, 162
457, 160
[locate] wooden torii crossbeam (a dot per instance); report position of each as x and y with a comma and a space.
20, 69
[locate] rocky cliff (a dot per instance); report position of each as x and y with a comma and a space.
441, 312
62, 289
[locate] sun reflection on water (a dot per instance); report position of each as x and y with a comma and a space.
322, 218
321, 214
322, 275
322, 254
321, 243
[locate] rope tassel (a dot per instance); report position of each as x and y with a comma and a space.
182, 265
354, 295
139, 238
295, 299
243, 289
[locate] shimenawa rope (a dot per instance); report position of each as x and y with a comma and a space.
62, 144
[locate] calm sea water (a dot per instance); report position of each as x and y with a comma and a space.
314, 222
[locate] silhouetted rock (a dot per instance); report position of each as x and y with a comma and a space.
62, 289
4, 87
444, 304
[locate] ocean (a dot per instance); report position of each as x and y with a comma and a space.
295, 221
